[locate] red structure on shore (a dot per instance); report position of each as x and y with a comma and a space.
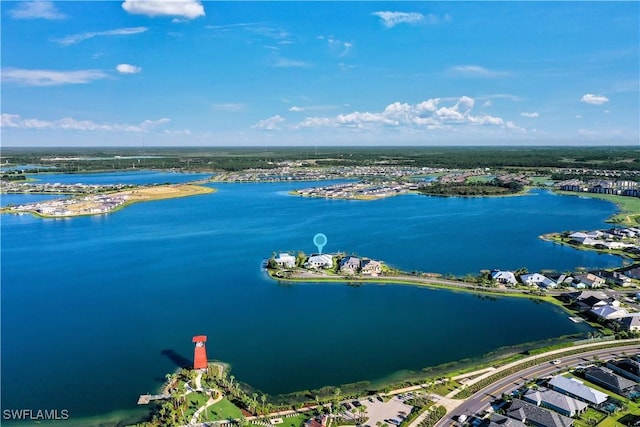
200, 352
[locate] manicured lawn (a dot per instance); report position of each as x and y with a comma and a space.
444, 389
590, 418
296, 421
540, 180
223, 410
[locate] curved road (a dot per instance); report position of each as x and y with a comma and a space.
481, 400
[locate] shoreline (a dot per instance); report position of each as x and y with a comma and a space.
135, 195
626, 215
425, 282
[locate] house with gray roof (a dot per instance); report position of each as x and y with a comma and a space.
626, 367
286, 260
630, 323
575, 388
350, 265
497, 420
609, 312
536, 416
606, 378
556, 401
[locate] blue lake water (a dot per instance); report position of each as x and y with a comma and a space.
134, 177
95, 310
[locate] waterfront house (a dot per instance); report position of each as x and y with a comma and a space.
537, 279
286, 260
630, 323
536, 416
626, 367
319, 261
556, 401
350, 265
590, 280
606, 378
504, 277
609, 312
575, 388
371, 267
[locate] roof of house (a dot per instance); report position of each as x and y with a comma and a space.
537, 278
350, 262
577, 388
630, 322
609, 312
497, 420
321, 259
556, 399
606, 376
503, 275
627, 364
524, 411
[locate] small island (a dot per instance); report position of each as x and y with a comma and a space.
102, 203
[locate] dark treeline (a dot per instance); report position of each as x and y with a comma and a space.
234, 159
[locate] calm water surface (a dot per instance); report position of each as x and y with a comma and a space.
95, 310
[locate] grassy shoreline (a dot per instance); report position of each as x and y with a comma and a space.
629, 207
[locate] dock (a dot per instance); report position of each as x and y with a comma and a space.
144, 399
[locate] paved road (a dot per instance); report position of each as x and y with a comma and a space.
481, 400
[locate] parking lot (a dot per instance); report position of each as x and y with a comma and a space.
384, 412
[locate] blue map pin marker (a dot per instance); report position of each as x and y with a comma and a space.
320, 240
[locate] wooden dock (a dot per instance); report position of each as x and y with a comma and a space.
144, 399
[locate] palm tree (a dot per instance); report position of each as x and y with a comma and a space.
263, 398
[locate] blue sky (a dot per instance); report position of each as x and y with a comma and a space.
187, 73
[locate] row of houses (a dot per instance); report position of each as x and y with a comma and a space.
599, 305
578, 281
561, 398
626, 239
347, 265
618, 187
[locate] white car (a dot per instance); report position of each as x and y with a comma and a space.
556, 362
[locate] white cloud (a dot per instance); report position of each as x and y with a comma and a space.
272, 123
296, 109
229, 107
290, 63
391, 19
36, 10
128, 69
23, 77
188, 9
477, 71
77, 38
530, 115
430, 114
69, 123
594, 99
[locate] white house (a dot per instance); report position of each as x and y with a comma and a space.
538, 280
286, 260
319, 261
609, 312
504, 277
590, 280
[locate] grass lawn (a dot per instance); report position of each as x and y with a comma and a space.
629, 206
444, 389
223, 410
540, 180
296, 421
589, 415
